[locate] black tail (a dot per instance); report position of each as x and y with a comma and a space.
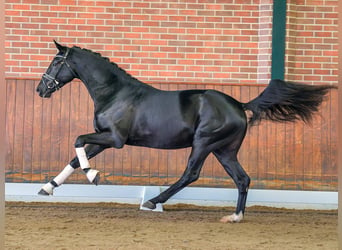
287, 101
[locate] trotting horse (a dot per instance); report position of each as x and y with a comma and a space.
127, 111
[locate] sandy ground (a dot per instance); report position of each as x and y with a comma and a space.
118, 226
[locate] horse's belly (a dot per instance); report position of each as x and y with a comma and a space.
162, 138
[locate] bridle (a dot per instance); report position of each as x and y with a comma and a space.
50, 81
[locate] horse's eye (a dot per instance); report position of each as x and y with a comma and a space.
56, 62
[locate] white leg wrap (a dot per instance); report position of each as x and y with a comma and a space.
48, 187
66, 172
82, 158
91, 174
59, 179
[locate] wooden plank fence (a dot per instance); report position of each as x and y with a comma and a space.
41, 134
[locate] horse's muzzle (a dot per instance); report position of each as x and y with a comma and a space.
43, 91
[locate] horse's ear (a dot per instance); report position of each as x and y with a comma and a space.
61, 48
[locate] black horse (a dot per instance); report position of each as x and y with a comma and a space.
127, 111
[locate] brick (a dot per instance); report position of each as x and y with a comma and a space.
132, 35
158, 67
68, 2
76, 33
21, 7
104, 28
204, 50
158, 42
176, 67
159, 18
141, 4
168, 49
30, 1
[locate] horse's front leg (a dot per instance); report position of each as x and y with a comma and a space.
103, 139
48, 188
93, 175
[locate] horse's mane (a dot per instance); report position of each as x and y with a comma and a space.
107, 60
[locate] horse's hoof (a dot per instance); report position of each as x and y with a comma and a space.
97, 179
43, 192
234, 218
149, 205
47, 189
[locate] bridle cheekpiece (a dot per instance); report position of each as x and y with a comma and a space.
50, 81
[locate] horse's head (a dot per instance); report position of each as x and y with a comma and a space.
58, 73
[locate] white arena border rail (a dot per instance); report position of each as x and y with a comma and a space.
27, 192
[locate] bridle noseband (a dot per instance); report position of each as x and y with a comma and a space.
51, 81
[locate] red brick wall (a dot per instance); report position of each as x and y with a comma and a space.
170, 41
176, 41
312, 43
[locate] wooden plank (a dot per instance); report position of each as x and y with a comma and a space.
10, 126
298, 154
289, 156
138, 168
19, 131
28, 129
331, 168
154, 168
316, 152
243, 155
325, 138
307, 153
253, 134
36, 139
271, 154
261, 151
55, 133
45, 151
65, 144
279, 155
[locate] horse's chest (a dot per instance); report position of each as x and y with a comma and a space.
113, 120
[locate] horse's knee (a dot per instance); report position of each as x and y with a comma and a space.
75, 163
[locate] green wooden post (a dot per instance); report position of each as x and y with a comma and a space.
278, 39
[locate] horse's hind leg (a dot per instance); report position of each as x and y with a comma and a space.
230, 163
190, 175
48, 188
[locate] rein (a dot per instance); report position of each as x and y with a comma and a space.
51, 81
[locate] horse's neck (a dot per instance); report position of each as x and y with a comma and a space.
104, 81
110, 85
